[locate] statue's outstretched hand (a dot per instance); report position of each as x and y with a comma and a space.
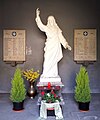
37, 12
69, 48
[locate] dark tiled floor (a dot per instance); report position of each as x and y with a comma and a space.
31, 111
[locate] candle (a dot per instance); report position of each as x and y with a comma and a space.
49, 85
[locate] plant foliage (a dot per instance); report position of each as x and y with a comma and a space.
50, 97
82, 89
18, 90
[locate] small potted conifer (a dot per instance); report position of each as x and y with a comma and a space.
18, 91
82, 89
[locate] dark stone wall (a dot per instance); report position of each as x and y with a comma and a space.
70, 14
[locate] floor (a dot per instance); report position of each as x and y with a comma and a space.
31, 109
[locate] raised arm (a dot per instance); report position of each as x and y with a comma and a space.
40, 25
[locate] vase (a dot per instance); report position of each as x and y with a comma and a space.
31, 90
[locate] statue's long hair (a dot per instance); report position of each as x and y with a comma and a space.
52, 23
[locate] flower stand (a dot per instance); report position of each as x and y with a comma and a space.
50, 111
50, 108
45, 106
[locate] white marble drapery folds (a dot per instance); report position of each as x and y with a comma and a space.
53, 51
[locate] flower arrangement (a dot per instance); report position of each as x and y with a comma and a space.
31, 75
50, 97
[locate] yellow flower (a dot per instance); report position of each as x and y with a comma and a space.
31, 75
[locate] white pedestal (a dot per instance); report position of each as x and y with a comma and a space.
50, 79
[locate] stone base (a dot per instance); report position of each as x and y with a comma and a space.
55, 85
51, 111
50, 79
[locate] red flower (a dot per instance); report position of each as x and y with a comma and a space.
42, 93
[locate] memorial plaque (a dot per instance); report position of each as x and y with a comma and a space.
85, 45
14, 45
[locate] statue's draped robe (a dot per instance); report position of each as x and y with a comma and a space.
53, 51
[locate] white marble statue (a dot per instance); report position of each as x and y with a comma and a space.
52, 50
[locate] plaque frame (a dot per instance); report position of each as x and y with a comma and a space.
85, 45
14, 42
